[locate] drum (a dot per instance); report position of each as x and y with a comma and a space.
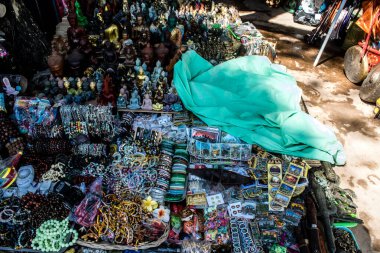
355, 68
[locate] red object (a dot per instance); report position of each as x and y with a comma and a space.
373, 55
106, 96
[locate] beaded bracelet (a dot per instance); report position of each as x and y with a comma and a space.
52, 236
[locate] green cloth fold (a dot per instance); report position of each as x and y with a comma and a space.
257, 101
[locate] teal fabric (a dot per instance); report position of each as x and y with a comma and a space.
257, 101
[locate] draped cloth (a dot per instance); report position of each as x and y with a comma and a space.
257, 101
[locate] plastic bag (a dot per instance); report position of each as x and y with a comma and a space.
87, 210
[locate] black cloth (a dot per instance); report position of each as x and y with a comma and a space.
45, 13
25, 42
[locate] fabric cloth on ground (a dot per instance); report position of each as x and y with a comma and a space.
257, 101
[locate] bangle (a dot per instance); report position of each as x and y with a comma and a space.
9, 215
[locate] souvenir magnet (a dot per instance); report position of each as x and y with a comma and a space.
215, 200
249, 210
288, 185
207, 134
197, 199
235, 209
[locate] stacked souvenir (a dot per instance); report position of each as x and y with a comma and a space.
99, 151
178, 174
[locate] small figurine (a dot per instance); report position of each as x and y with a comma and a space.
85, 84
145, 68
171, 32
124, 93
147, 54
143, 40
159, 94
155, 34
121, 102
147, 103
170, 98
89, 71
124, 38
109, 54
130, 78
92, 86
137, 65
163, 81
74, 33
125, 7
106, 96
140, 79
134, 10
139, 30
134, 102
98, 75
60, 45
152, 13
162, 52
9, 90
112, 34
129, 52
156, 72
79, 86
75, 60
147, 86
158, 107
56, 62
60, 83
66, 83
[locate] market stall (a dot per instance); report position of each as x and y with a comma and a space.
165, 127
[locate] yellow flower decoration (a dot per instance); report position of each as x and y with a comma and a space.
149, 204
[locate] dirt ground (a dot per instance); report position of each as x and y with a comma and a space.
335, 101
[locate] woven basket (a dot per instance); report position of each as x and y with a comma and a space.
109, 246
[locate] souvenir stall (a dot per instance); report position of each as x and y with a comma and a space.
164, 127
